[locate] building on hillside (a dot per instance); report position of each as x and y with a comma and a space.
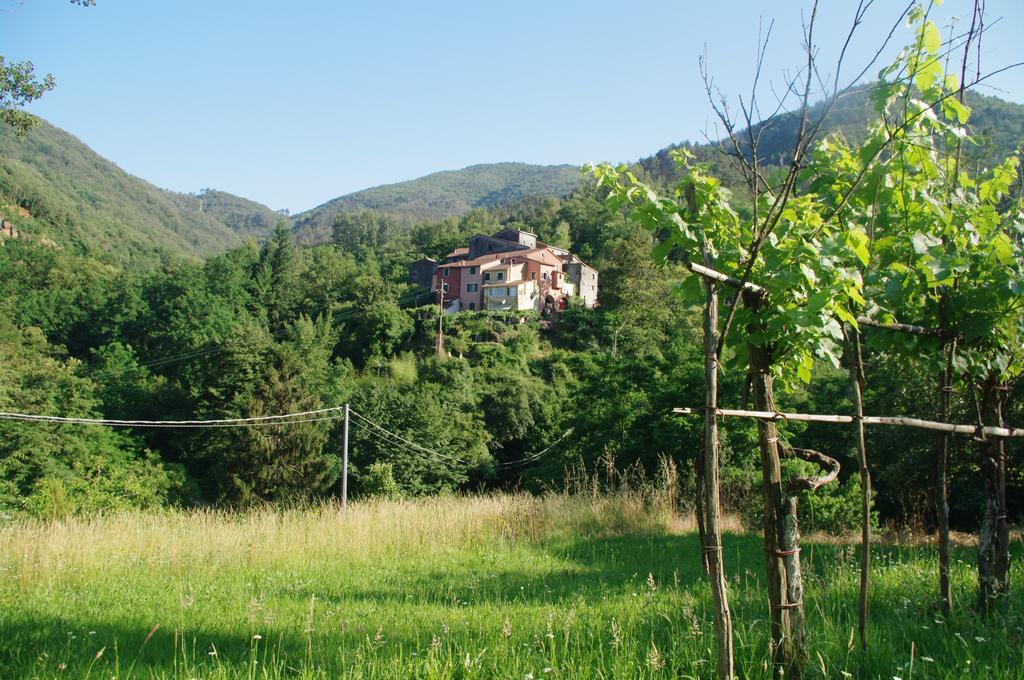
510, 270
421, 272
583, 277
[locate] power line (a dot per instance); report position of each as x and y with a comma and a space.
535, 456
396, 445
282, 419
406, 441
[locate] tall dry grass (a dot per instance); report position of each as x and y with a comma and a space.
206, 539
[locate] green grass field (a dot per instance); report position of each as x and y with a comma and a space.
502, 586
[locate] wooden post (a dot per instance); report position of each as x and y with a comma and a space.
941, 465
781, 528
993, 535
708, 495
439, 349
856, 382
711, 537
344, 463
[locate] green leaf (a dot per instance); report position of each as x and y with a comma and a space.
931, 39
924, 242
960, 111
858, 240
692, 287
661, 251
809, 274
1002, 248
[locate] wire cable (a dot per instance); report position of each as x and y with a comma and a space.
394, 444
283, 419
535, 456
406, 441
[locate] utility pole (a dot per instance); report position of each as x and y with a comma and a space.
344, 463
440, 319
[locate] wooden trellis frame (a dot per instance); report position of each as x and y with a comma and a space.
979, 431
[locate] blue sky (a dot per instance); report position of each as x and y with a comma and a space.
294, 103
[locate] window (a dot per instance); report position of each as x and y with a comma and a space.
533, 275
501, 276
487, 276
510, 292
471, 287
472, 270
444, 287
445, 271
544, 276
472, 306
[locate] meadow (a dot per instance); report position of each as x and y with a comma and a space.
508, 586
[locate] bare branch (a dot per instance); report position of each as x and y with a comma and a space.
829, 464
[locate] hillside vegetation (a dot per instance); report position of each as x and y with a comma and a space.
444, 194
275, 328
998, 124
53, 185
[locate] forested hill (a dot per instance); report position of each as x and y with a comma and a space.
241, 215
998, 123
444, 194
55, 187
52, 186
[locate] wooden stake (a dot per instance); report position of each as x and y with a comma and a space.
781, 532
856, 376
1007, 432
712, 539
994, 533
941, 465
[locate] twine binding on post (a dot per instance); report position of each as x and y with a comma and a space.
783, 553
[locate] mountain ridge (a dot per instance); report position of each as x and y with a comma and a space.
63, 190
446, 193
54, 186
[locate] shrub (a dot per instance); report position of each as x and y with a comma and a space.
379, 481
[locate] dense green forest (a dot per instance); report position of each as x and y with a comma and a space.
280, 328
90, 327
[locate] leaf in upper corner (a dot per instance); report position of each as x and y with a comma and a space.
931, 39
